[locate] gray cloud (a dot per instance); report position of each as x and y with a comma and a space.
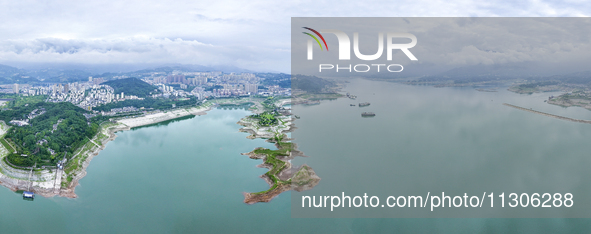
251, 34
134, 50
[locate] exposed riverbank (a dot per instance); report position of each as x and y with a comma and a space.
566, 101
282, 175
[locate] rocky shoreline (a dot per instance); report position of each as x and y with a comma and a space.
286, 177
50, 183
584, 103
69, 191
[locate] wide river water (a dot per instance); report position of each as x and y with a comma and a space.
188, 176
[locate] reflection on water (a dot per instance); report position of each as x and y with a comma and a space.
456, 140
167, 122
187, 176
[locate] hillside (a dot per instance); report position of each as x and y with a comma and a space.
131, 86
58, 127
311, 84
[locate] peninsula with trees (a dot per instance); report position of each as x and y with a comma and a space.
49, 132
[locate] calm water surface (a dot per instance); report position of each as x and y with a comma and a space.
188, 176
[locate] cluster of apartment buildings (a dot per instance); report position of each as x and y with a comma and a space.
175, 84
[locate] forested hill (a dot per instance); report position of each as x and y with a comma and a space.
131, 86
311, 84
55, 128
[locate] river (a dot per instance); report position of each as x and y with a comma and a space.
188, 176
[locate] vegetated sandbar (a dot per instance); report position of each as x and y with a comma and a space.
282, 175
49, 183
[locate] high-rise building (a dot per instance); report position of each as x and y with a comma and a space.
90, 79
251, 88
16, 88
97, 80
177, 79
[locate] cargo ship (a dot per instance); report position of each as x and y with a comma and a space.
363, 104
368, 114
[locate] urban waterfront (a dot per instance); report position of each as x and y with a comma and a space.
188, 176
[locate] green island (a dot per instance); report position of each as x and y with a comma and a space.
272, 123
284, 148
581, 98
576, 88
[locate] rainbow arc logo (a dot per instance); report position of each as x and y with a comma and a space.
319, 35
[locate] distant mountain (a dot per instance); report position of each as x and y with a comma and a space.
11, 75
61, 73
482, 72
7, 71
281, 79
131, 86
583, 78
192, 68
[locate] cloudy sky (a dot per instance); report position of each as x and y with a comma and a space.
249, 34
536, 46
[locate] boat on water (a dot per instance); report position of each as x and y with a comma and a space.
368, 114
28, 195
351, 96
351, 104
364, 104
297, 116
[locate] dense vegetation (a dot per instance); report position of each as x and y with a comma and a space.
18, 101
283, 149
131, 86
155, 103
266, 118
537, 84
35, 140
310, 84
281, 79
